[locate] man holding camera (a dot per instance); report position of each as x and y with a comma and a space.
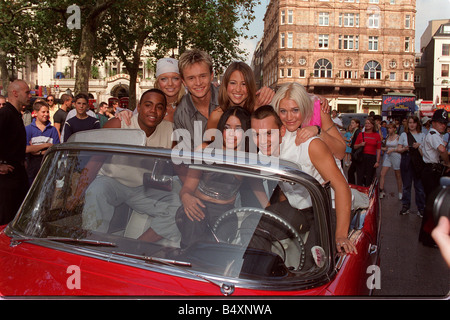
434, 150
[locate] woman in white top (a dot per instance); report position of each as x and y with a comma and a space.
392, 159
294, 106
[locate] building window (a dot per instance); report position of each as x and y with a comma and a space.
407, 44
323, 68
445, 70
290, 41
417, 78
374, 20
281, 73
349, 19
348, 42
323, 41
290, 16
282, 40
372, 70
302, 73
283, 17
392, 76
407, 21
446, 49
347, 74
406, 76
373, 43
445, 93
324, 19
289, 72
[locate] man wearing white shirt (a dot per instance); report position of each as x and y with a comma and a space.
434, 150
337, 121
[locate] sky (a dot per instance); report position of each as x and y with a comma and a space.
426, 10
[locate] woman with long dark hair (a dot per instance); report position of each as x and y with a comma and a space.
238, 88
206, 195
408, 144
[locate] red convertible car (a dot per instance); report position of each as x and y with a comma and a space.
87, 227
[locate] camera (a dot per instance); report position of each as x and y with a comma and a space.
441, 202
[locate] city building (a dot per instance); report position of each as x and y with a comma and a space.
434, 64
257, 64
349, 51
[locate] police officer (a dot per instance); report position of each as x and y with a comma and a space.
433, 149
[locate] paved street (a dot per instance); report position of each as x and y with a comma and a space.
407, 267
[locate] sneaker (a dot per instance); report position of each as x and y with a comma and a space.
405, 210
400, 195
420, 213
382, 194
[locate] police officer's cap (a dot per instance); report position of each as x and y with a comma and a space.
440, 115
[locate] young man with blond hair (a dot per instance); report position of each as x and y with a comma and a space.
196, 70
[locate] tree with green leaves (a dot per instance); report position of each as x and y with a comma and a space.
128, 29
24, 34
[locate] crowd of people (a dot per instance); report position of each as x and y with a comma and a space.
416, 149
303, 131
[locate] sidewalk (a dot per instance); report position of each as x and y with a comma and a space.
407, 267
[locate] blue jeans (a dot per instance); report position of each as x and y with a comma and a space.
408, 177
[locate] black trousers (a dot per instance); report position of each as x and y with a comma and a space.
430, 181
13, 189
365, 170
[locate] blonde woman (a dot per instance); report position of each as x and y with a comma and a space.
327, 130
168, 80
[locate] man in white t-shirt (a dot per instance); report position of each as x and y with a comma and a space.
267, 135
119, 181
337, 121
434, 151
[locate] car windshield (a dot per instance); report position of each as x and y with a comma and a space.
131, 201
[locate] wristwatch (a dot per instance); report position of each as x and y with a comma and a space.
319, 130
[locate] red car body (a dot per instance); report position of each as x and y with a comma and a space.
47, 268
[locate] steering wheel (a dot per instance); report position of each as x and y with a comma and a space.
271, 216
